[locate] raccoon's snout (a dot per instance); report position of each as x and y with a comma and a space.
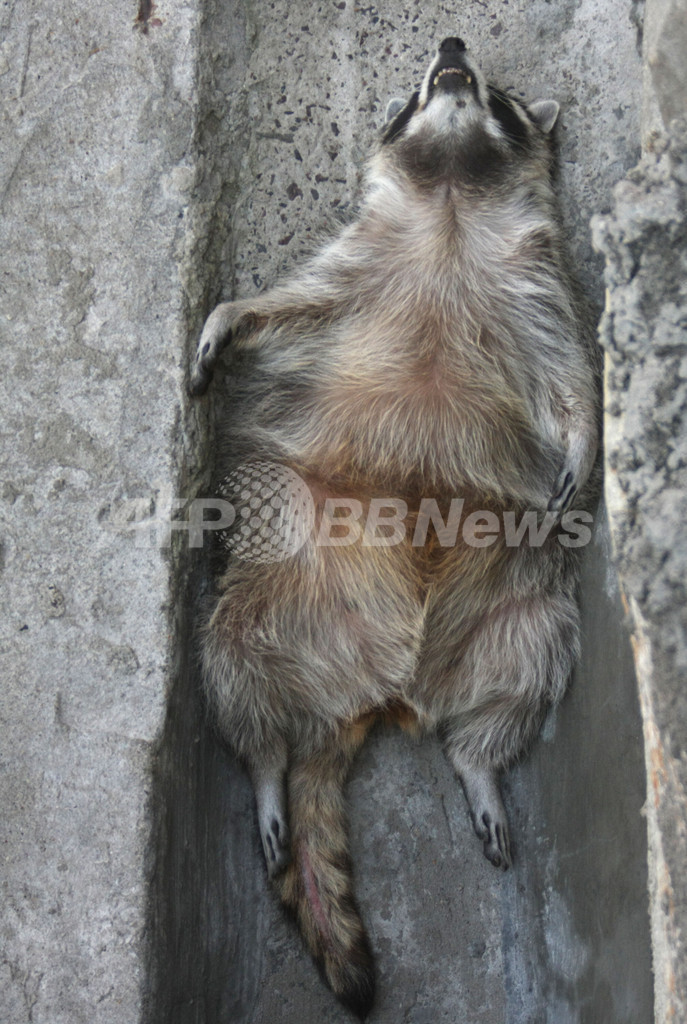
450, 70
452, 43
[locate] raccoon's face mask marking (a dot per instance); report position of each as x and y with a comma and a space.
454, 83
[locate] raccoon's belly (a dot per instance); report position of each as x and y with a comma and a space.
446, 429
447, 436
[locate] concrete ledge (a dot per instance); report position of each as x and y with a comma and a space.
643, 332
97, 166
565, 937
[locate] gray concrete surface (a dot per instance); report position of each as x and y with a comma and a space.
644, 334
146, 170
665, 69
96, 164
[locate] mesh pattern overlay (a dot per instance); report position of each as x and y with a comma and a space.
274, 509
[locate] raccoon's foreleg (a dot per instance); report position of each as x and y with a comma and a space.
227, 322
568, 410
298, 304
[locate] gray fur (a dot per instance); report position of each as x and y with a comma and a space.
435, 348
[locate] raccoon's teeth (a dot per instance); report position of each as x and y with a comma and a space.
452, 71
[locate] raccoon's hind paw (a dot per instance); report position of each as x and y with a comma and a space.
276, 843
489, 817
269, 783
495, 835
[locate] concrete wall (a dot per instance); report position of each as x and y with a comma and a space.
97, 162
154, 158
644, 333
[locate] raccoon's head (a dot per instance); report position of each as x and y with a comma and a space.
458, 126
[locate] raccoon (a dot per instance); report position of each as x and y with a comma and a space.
434, 348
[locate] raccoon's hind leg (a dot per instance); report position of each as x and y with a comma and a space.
515, 664
490, 687
269, 782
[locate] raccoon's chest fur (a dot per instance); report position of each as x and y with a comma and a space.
433, 367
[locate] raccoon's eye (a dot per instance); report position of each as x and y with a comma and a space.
400, 122
512, 126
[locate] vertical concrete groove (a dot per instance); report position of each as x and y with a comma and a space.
644, 240
550, 942
152, 158
201, 916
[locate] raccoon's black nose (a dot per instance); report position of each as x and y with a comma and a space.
452, 43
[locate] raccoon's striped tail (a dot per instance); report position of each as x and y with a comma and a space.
317, 884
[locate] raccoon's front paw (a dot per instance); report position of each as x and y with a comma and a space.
578, 463
564, 490
276, 843
217, 333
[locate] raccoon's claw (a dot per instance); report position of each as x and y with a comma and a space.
564, 491
200, 381
277, 846
489, 818
217, 334
496, 838
269, 782
209, 350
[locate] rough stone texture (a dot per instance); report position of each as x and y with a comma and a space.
665, 68
142, 170
96, 166
644, 332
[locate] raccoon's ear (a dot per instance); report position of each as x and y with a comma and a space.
393, 107
544, 113
400, 118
